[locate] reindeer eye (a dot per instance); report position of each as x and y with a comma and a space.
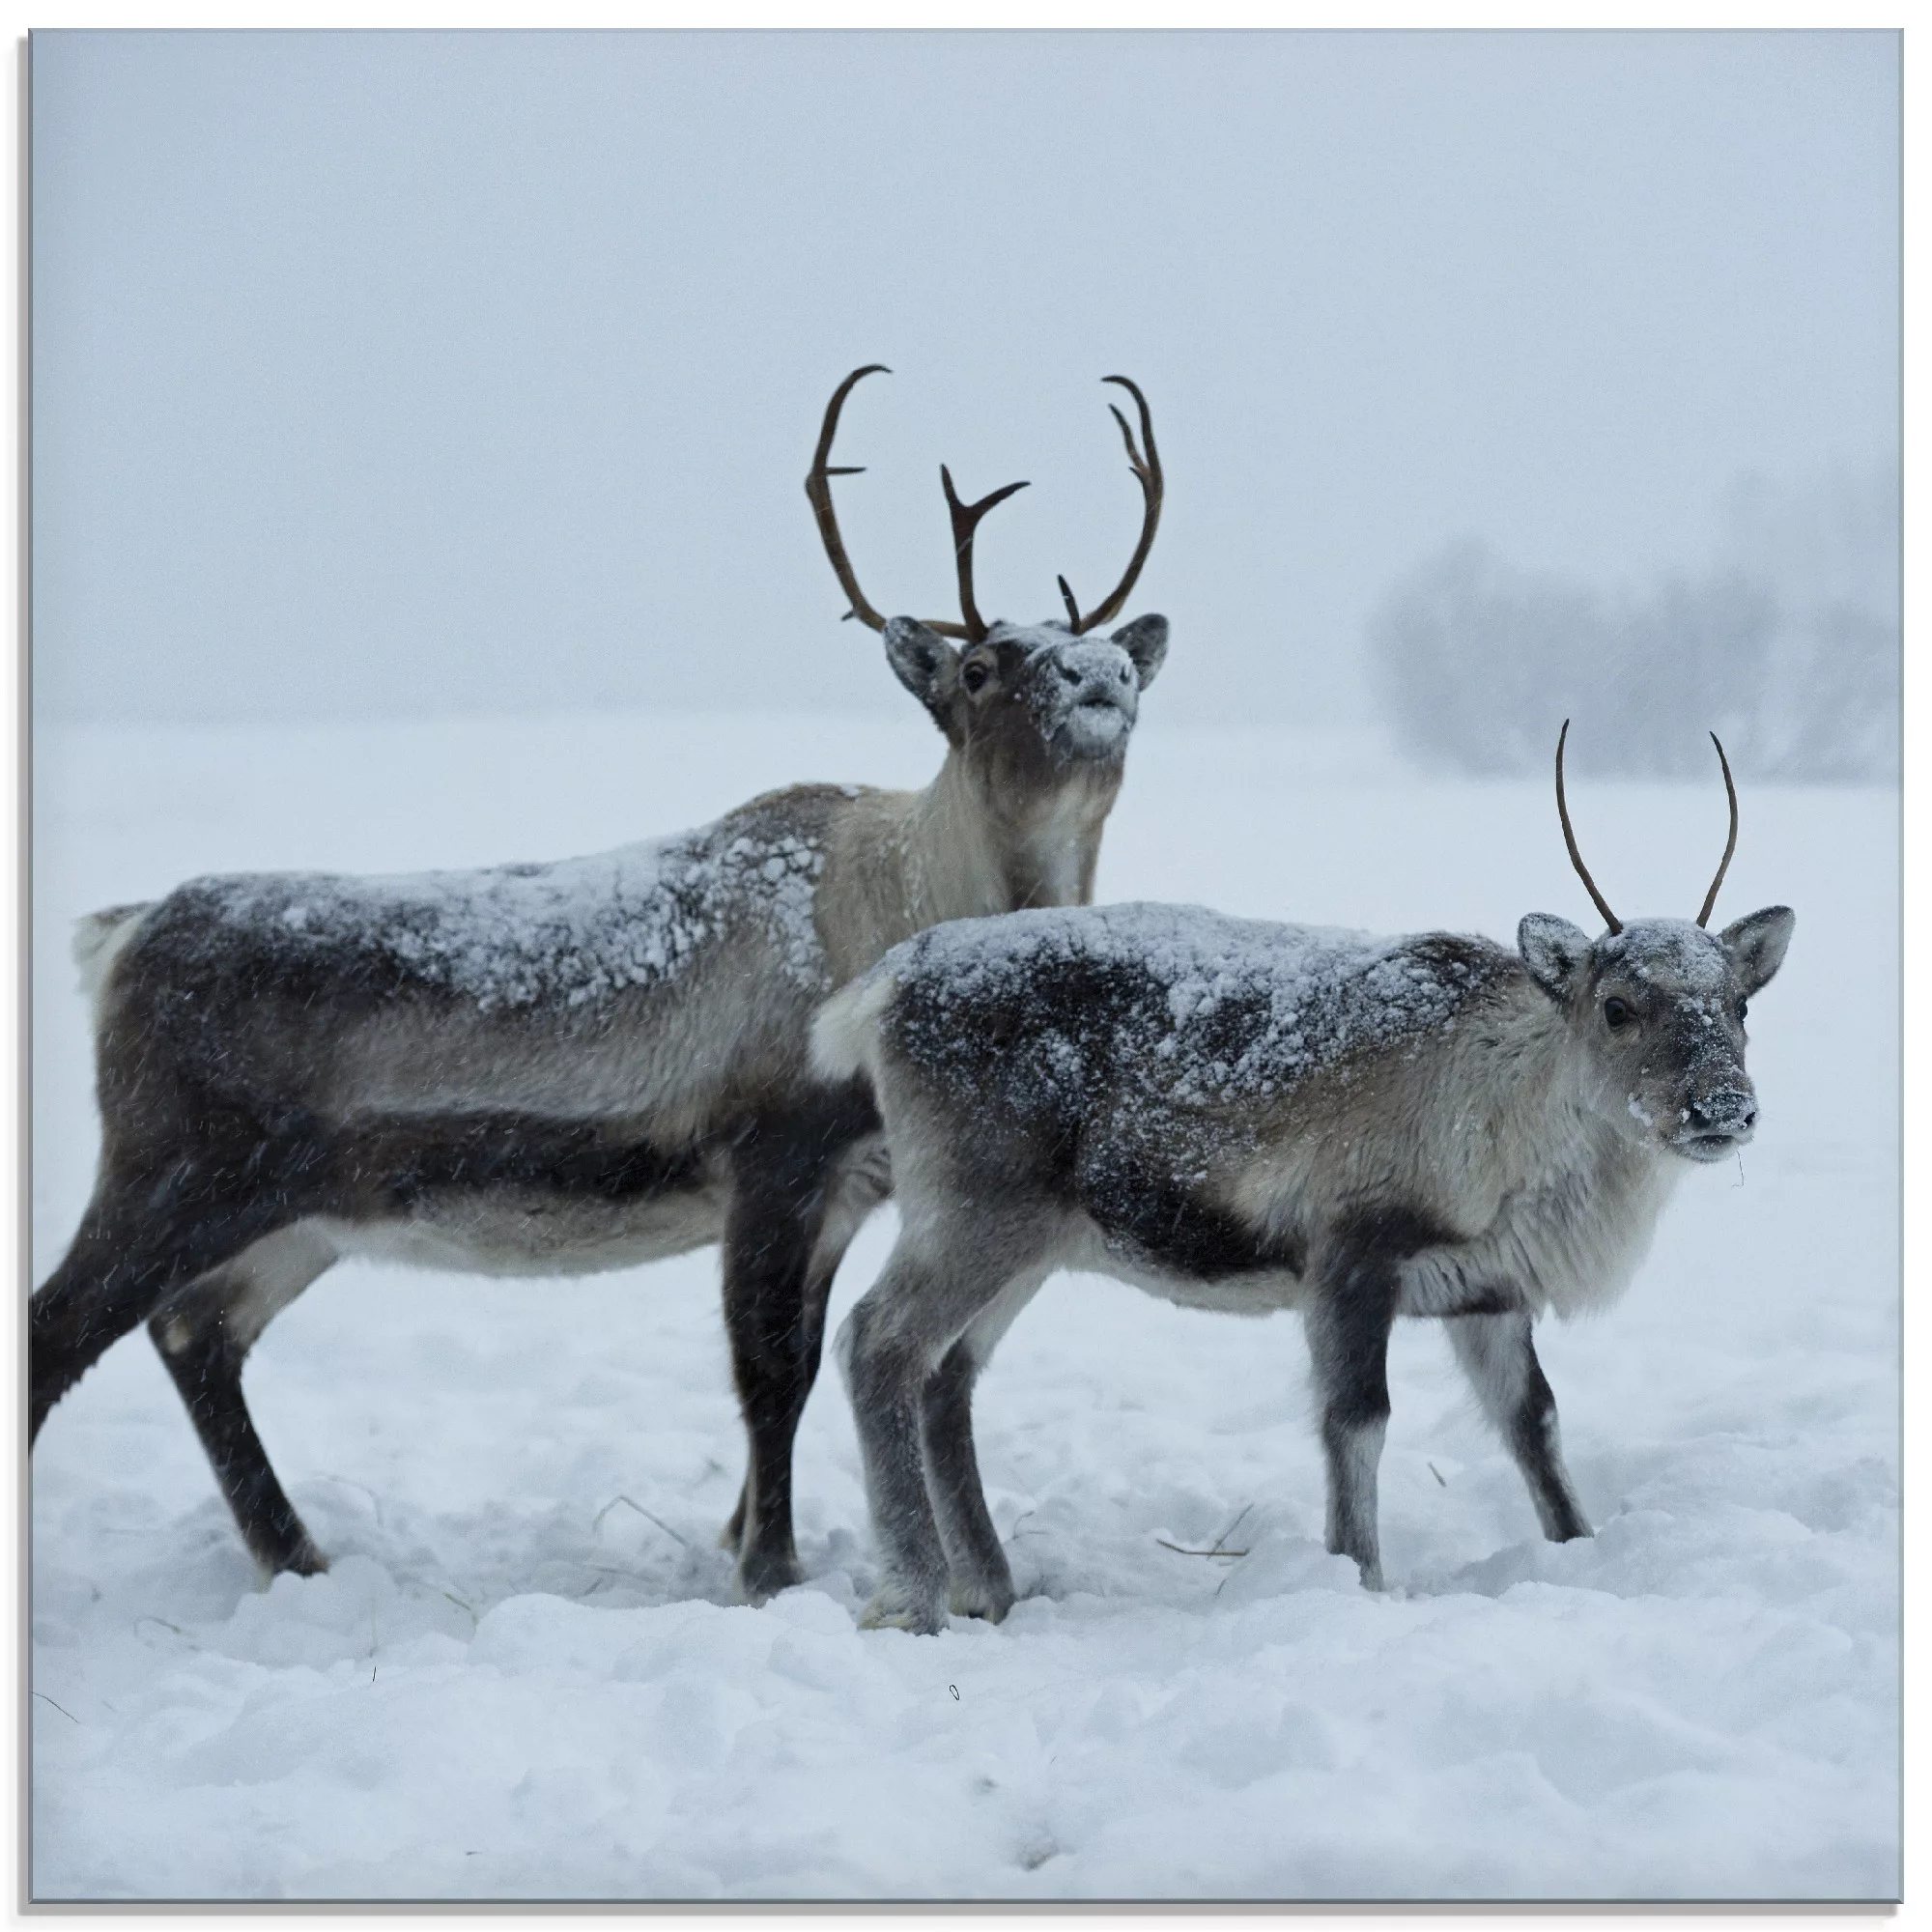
1617, 1015
1743, 1006
974, 676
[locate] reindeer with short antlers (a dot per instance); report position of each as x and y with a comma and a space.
556, 1068
1248, 1117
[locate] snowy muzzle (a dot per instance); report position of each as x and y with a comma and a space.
1713, 1123
1086, 696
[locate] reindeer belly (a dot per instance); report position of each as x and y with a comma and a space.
525, 1232
1266, 1290
1198, 1254
516, 1194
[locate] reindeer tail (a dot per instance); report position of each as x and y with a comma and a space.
844, 1036
98, 942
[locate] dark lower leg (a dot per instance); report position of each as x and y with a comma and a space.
780, 1256
1348, 1331
206, 1370
1354, 1448
1498, 1354
775, 1322
776, 1342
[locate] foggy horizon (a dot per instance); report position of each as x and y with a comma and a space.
426, 374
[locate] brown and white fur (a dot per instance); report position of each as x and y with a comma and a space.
1247, 1117
551, 1069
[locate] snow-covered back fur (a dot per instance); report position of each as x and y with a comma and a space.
1251, 1117
551, 1068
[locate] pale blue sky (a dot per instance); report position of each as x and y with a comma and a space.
405, 372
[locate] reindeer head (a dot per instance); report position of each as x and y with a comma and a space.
1025, 703
1656, 1007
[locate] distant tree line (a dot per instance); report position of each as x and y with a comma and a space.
1788, 647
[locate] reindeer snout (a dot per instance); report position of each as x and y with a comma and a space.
1714, 1124
1098, 695
1731, 1110
1103, 681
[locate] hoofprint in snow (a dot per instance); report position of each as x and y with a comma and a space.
523, 1678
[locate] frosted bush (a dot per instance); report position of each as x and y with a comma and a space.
1788, 647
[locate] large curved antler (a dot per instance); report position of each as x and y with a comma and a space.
965, 520
1147, 472
1731, 844
818, 487
1610, 919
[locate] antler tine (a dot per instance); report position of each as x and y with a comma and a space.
1610, 919
1731, 843
818, 487
965, 520
1147, 473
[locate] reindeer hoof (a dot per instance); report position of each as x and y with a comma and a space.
891, 1609
301, 1558
759, 1581
981, 1599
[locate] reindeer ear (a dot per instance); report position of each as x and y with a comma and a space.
1555, 951
1757, 945
928, 665
1145, 640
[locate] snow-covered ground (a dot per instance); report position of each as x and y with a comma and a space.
523, 1676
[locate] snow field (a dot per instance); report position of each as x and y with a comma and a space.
523, 1677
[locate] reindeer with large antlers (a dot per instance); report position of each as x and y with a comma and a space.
1249, 1118
556, 1068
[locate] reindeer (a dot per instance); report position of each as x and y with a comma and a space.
550, 1070
1249, 1117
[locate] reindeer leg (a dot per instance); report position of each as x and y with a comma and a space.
982, 1581
909, 1375
137, 1243
776, 1333
1498, 1355
884, 1372
1349, 1320
204, 1337
798, 1197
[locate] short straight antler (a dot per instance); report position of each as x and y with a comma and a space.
1583, 872
1147, 473
1731, 843
1610, 919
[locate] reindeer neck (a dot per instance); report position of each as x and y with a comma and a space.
1037, 850
1575, 1151
900, 862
